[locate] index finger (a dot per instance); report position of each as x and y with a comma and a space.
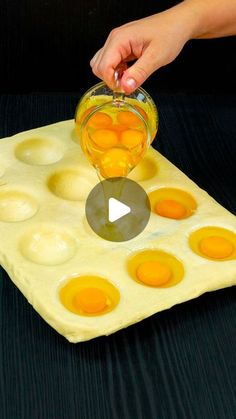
104, 65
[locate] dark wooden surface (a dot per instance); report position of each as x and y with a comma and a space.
178, 364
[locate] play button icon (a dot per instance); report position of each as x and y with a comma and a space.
117, 209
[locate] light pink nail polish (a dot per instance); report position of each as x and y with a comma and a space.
131, 83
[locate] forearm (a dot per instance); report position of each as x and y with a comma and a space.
155, 41
210, 18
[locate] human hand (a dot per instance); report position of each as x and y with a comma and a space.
153, 42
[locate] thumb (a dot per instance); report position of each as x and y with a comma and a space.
140, 70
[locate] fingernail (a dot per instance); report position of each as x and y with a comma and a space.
131, 83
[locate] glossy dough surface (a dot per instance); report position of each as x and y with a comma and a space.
46, 241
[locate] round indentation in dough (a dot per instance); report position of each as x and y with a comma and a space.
145, 170
69, 184
214, 243
172, 203
16, 206
2, 170
47, 245
39, 151
89, 295
155, 268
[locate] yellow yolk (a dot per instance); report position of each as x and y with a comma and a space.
131, 138
214, 243
115, 163
105, 138
86, 113
89, 296
172, 203
128, 118
90, 300
100, 120
170, 209
119, 128
153, 273
142, 112
216, 247
155, 268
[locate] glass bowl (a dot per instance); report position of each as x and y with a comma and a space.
115, 130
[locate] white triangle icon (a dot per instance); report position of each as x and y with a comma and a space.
116, 209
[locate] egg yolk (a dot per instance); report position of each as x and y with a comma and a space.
115, 163
172, 203
216, 247
90, 300
131, 138
100, 120
84, 114
119, 127
142, 112
153, 273
128, 118
214, 242
170, 209
89, 296
155, 268
105, 138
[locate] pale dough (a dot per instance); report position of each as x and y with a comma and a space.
45, 238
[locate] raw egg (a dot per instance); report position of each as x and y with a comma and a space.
114, 140
115, 162
79, 120
90, 300
131, 138
129, 119
105, 138
100, 120
155, 268
89, 295
153, 273
171, 209
142, 112
214, 243
172, 203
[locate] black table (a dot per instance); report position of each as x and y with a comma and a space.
179, 363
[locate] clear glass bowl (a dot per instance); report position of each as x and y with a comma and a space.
115, 130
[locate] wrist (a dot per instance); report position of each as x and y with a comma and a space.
188, 20
210, 18
192, 14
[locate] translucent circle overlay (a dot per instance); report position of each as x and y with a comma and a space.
125, 192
